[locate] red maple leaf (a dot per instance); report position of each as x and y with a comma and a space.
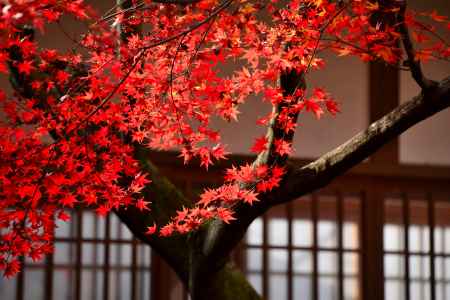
260, 145
166, 230
68, 200
25, 67
142, 205
313, 107
150, 230
332, 107
282, 147
250, 197
225, 215
63, 216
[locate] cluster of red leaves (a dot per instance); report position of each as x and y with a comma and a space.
242, 184
68, 130
41, 177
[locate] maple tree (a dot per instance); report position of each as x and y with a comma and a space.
79, 126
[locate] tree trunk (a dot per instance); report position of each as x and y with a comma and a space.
228, 283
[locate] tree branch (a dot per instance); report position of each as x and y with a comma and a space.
412, 62
289, 82
302, 180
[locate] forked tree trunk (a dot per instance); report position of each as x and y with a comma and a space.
205, 277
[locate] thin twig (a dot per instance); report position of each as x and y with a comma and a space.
412, 62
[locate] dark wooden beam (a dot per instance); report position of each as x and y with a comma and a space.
372, 242
383, 97
161, 281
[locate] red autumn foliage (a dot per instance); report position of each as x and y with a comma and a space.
68, 130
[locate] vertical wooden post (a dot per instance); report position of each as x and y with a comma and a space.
134, 269
372, 242
78, 253
161, 281
315, 247
265, 266
290, 277
406, 219
432, 224
383, 97
106, 266
49, 268
340, 246
20, 283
